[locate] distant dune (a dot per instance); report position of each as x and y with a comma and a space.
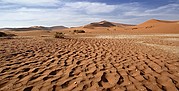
121, 24
106, 24
158, 26
35, 28
27, 29
155, 21
58, 27
99, 24
150, 26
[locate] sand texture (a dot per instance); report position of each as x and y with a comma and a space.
89, 64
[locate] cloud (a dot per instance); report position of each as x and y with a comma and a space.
169, 10
32, 2
166, 9
91, 8
20, 13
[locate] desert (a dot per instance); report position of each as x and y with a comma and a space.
106, 57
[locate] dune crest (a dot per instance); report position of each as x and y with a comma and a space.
99, 24
154, 21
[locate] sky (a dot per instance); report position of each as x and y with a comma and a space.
71, 13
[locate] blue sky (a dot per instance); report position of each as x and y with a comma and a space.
25, 13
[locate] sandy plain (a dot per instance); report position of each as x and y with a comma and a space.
97, 63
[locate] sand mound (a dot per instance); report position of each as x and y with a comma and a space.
99, 24
150, 26
155, 21
6, 35
2, 34
58, 27
35, 28
121, 24
156, 26
106, 24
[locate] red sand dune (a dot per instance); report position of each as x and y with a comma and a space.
150, 26
157, 26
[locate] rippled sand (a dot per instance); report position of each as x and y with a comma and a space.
89, 64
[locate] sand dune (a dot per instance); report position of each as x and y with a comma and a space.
150, 26
157, 26
155, 21
99, 24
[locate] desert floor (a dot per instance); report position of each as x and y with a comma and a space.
97, 63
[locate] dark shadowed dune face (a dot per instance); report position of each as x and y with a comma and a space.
99, 24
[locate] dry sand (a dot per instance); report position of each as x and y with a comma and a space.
89, 64
150, 26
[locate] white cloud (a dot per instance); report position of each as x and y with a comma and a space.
79, 13
166, 9
91, 8
47, 17
32, 2
129, 6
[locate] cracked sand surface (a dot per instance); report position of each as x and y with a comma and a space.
87, 64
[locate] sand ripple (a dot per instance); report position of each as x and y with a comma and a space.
86, 65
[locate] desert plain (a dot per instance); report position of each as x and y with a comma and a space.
144, 57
